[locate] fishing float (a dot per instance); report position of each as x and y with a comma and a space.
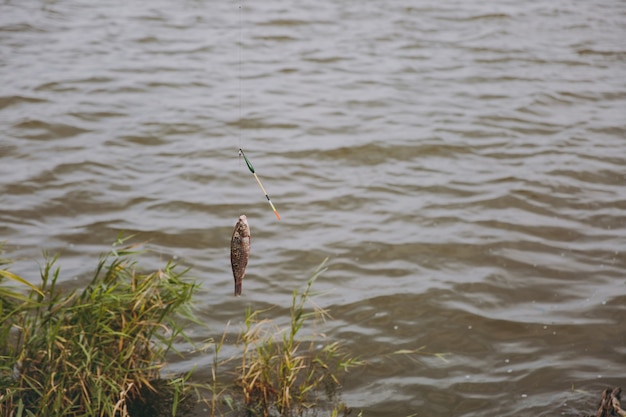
251, 168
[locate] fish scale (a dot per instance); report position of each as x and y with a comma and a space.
240, 252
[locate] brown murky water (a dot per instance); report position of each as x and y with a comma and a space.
462, 164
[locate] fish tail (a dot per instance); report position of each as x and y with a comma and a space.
238, 288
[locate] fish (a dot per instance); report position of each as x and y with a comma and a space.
240, 251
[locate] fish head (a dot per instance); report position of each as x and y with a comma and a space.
242, 226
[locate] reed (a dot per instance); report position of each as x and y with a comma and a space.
283, 373
99, 351
95, 352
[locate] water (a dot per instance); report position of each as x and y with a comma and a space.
460, 163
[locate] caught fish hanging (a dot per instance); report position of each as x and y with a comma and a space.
251, 168
240, 251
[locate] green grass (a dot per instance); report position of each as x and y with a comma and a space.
93, 352
100, 350
282, 373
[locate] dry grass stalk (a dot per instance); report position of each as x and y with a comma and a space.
282, 373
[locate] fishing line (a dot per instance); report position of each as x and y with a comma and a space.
240, 53
241, 153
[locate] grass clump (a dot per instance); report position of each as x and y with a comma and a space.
95, 352
283, 374
99, 351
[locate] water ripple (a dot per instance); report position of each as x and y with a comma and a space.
460, 164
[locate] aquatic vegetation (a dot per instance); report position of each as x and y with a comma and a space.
94, 352
100, 350
282, 373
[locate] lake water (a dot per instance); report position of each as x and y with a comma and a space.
462, 165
